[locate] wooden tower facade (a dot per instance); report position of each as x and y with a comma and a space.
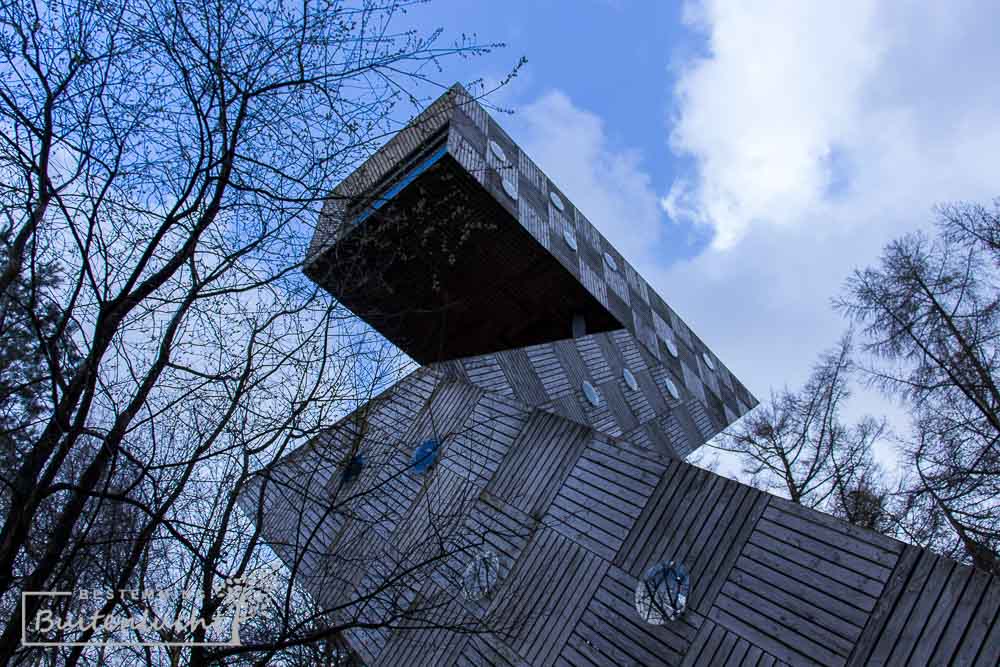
510, 501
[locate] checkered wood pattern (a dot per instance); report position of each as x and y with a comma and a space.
578, 499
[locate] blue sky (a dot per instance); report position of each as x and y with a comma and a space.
747, 156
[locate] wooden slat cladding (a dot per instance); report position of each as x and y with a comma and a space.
395, 409
593, 355
521, 377
492, 525
604, 494
434, 515
933, 611
486, 372
484, 650
610, 631
426, 644
551, 376
698, 518
804, 585
717, 647
478, 447
549, 370
546, 595
445, 413
577, 516
538, 462
621, 289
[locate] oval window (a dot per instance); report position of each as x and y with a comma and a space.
497, 150
509, 187
661, 595
592, 396
672, 388
630, 379
480, 576
570, 239
353, 468
708, 361
556, 201
425, 455
671, 346
610, 261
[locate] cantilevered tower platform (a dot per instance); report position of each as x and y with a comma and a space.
521, 499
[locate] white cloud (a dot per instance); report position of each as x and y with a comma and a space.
817, 131
826, 113
608, 183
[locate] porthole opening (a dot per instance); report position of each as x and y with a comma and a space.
610, 261
353, 468
661, 595
481, 575
630, 380
424, 455
708, 360
671, 347
556, 201
509, 187
672, 389
497, 150
570, 239
591, 393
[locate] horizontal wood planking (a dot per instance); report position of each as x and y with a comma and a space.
485, 371
604, 494
804, 585
593, 355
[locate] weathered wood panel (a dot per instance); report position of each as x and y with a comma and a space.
604, 494
477, 448
433, 641
521, 376
546, 594
698, 518
933, 611
716, 646
804, 585
538, 461
485, 650
492, 525
610, 631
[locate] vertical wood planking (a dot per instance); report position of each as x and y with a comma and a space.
548, 592
538, 461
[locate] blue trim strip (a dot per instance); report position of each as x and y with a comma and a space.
406, 180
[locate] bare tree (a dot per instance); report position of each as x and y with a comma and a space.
929, 312
170, 158
797, 445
